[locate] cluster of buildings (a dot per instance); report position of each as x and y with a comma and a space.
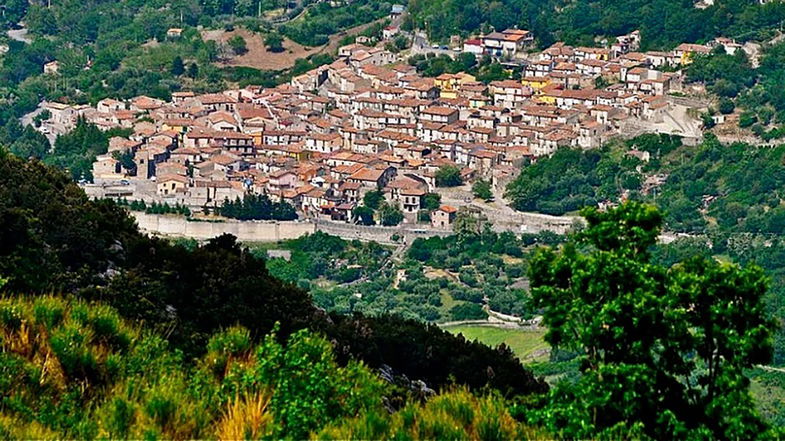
370, 122
509, 44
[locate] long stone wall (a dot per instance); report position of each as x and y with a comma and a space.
271, 231
384, 235
245, 231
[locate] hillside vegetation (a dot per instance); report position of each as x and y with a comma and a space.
663, 23
188, 294
77, 370
143, 338
728, 195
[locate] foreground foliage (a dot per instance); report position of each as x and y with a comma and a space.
662, 350
453, 415
74, 370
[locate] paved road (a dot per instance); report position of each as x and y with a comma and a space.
420, 45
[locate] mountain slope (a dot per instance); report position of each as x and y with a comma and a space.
53, 239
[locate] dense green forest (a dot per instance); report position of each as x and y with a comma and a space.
663, 23
438, 280
711, 187
572, 179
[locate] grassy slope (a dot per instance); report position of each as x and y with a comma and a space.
527, 345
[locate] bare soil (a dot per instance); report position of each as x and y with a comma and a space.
258, 56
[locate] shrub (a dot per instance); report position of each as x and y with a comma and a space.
468, 311
482, 190
69, 344
448, 176
726, 106
246, 418
10, 315
455, 414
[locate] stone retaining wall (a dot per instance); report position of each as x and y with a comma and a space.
272, 231
245, 231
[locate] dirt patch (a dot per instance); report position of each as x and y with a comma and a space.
434, 273
258, 56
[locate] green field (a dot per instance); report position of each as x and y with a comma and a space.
527, 345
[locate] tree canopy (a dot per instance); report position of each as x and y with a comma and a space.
448, 176
257, 207
663, 23
662, 350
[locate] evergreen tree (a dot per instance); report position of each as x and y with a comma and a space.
363, 215
193, 70
390, 215
448, 176
178, 68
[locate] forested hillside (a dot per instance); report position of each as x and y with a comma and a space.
726, 195
663, 23
756, 91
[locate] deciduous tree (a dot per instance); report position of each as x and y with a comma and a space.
663, 350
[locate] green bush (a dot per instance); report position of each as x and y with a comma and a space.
468, 311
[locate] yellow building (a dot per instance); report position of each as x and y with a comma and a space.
449, 82
448, 94
478, 101
686, 52
176, 125
536, 83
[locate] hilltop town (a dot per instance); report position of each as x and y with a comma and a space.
418, 219
369, 121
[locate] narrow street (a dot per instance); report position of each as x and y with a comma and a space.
421, 45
